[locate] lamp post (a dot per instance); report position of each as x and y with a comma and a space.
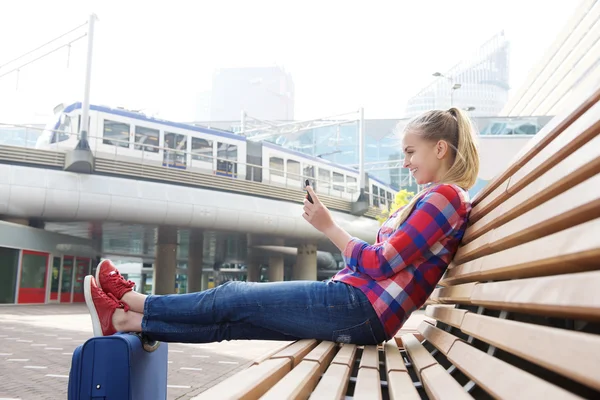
453, 86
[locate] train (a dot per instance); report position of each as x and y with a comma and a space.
133, 136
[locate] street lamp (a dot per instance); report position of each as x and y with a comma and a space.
453, 87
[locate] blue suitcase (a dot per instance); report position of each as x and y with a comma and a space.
123, 366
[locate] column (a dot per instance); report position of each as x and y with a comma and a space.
165, 265
195, 261
276, 268
306, 263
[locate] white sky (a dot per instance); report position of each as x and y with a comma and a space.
342, 54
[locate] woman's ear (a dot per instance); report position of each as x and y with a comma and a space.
441, 149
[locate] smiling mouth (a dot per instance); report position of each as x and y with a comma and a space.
412, 171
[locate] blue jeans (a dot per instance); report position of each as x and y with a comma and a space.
290, 310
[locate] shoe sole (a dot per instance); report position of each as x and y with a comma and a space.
87, 292
98, 274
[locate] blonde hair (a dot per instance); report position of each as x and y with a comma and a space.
455, 128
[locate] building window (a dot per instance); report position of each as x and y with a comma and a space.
375, 195
116, 133
202, 149
146, 139
276, 166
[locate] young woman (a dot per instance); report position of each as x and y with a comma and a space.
365, 303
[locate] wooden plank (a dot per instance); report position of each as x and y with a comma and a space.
500, 379
250, 383
346, 355
583, 164
466, 272
401, 387
476, 248
573, 354
322, 354
576, 249
447, 315
440, 385
575, 136
370, 358
393, 358
368, 385
576, 206
333, 384
570, 296
579, 102
457, 294
442, 340
296, 351
268, 354
298, 384
419, 355
493, 200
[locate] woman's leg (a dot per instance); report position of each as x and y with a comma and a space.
300, 309
184, 333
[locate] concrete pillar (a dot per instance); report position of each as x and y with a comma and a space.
165, 265
195, 261
276, 268
305, 268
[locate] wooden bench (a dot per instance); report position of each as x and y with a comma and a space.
517, 315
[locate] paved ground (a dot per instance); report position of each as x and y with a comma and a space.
37, 342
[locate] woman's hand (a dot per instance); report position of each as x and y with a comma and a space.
317, 214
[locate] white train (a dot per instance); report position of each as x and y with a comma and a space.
133, 136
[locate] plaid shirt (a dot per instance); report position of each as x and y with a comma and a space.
399, 272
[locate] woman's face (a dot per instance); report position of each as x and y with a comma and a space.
422, 158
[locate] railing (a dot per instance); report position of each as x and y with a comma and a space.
147, 161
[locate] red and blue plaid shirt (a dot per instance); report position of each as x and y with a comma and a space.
399, 272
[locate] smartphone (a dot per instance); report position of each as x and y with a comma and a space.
307, 183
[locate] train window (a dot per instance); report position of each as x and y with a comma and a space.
202, 149
146, 139
175, 148
338, 181
382, 195
116, 133
276, 166
324, 178
225, 153
375, 194
390, 197
351, 184
293, 170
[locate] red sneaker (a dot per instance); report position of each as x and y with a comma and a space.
111, 281
102, 306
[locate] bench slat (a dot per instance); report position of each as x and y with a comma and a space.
573, 354
297, 384
333, 384
401, 387
393, 358
571, 139
250, 383
296, 351
440, 385
322, 354
370, 358
578, 103
419, 356
571, 295
474, 249
447, 315
493, 200
458, 294
577, 167
575, 249
346, 355
575, 206
500, 379
442, 340
368, 385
